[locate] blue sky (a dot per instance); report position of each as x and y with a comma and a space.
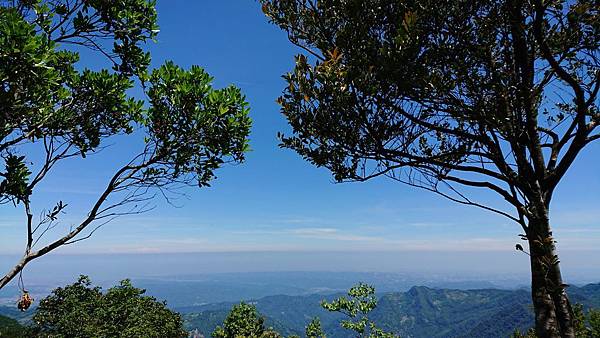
276, 201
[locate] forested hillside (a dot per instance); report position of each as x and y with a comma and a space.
11, 328
419, 312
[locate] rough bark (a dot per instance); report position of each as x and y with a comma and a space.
553, 313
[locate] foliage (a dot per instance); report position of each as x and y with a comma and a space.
10, 328
51, 104
529, 334
361, 300
593, 320
418, 312
394, 84
286, 315
83, 310
587, 326
451, 97
244, 321
314, 329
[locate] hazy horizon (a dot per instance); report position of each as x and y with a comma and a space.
462, 265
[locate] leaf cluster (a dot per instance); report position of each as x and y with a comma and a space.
360, 301
83, 310
53, 108
191, 128
195, 128
244, 321
443, 95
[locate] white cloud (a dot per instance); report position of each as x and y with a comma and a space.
299, 220
331, 234
430, 224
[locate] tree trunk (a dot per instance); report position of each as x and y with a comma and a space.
553, 313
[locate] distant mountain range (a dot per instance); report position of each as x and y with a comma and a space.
199, 289
452, 309
12, 313
181, 291
419, 312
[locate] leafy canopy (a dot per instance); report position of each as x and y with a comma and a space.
244, 321
360, 301
83, 310
496, 95
314, 329
51, 104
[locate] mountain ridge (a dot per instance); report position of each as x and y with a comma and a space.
419, 312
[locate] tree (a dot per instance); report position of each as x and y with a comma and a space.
451, 97
244, 321
82, 310
360, 301
314, 329
50, 105
586, 326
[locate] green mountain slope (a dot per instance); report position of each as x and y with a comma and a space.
10, 328
13, 313
286, 314
425, 312
419, 312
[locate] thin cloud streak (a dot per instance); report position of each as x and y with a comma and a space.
329, 240
331, 234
